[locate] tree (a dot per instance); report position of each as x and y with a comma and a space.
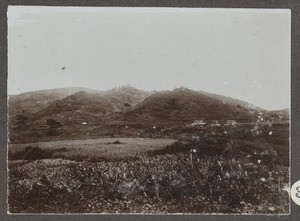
21, 120
53, 126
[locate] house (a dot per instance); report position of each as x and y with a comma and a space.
198, 123
230, 123
215, 123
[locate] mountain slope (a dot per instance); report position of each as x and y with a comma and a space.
232, 101
80, 102
124, 111
283, 114
31, 102
184, 105
130, 105
82, 106
124, 97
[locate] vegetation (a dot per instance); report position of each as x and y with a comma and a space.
170, 183
53, 126
21, 121
108, 112
134, 175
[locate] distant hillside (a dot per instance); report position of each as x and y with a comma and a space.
184, 105
81, 103
123, 111
31, 102
283, 114
133, 105
232, 101
96, 104
124, 97
69, 105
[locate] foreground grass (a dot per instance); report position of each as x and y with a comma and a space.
181, 182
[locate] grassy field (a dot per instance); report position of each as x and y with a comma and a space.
240, 172
104, 148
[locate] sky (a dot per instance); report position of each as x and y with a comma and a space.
240, 53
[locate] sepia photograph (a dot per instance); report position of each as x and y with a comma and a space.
122, 110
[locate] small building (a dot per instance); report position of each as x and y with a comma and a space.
230, 123
215, 123
198, 123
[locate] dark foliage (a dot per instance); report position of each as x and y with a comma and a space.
53, 126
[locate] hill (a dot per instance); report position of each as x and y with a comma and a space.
31, 102
124, 97
73, 105
280, 114
183, 105
232, 101
123, 111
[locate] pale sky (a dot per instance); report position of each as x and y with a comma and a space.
240, 53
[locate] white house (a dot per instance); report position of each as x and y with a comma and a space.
198, 123
215, 123
230, 123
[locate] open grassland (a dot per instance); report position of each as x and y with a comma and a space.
92, 149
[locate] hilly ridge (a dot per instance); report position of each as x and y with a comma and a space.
106, 113
232, 101
83, 106
80, 101
187, 105
34, 101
